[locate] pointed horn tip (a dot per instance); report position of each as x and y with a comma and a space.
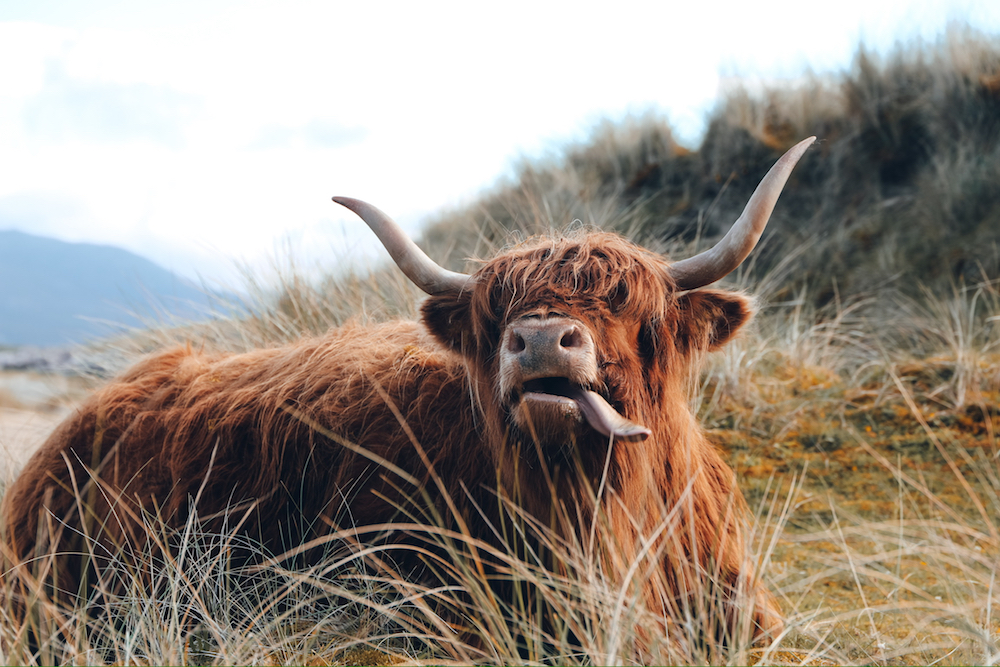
361, 208
797, 151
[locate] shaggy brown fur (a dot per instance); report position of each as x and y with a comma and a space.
236, 430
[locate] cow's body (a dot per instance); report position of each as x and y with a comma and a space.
239, 429
554, 378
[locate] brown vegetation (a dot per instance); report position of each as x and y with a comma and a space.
902, 193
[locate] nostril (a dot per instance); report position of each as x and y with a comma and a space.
515, 343
571, 338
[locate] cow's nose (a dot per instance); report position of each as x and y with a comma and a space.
551, 346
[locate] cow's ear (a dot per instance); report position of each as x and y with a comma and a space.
709, 318
447, 317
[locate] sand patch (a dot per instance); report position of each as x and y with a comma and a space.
22, 432
31, 405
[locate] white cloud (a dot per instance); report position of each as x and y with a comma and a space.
67, 109
317, 133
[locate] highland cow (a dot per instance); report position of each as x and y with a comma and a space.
553, 377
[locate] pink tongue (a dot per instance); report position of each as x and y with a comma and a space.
605, 419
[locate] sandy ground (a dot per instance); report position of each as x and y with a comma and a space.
21, 433
31, 405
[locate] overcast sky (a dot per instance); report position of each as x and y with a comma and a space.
198, 133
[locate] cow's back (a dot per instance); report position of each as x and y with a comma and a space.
295, 435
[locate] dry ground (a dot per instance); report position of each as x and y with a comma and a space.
21, 433
31, 405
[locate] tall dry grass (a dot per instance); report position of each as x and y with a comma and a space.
891, 555
179, 599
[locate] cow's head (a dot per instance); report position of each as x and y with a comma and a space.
575, 338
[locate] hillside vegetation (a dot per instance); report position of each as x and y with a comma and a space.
860, 413
900, 191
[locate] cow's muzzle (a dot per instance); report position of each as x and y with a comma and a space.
550, 347
547, 367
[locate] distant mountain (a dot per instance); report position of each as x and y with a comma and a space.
58, 293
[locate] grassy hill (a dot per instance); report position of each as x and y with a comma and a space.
900, 191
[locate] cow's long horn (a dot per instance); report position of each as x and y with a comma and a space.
721, 259
413, 262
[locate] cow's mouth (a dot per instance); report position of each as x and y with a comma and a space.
561, 395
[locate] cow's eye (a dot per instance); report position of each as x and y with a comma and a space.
618, 297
